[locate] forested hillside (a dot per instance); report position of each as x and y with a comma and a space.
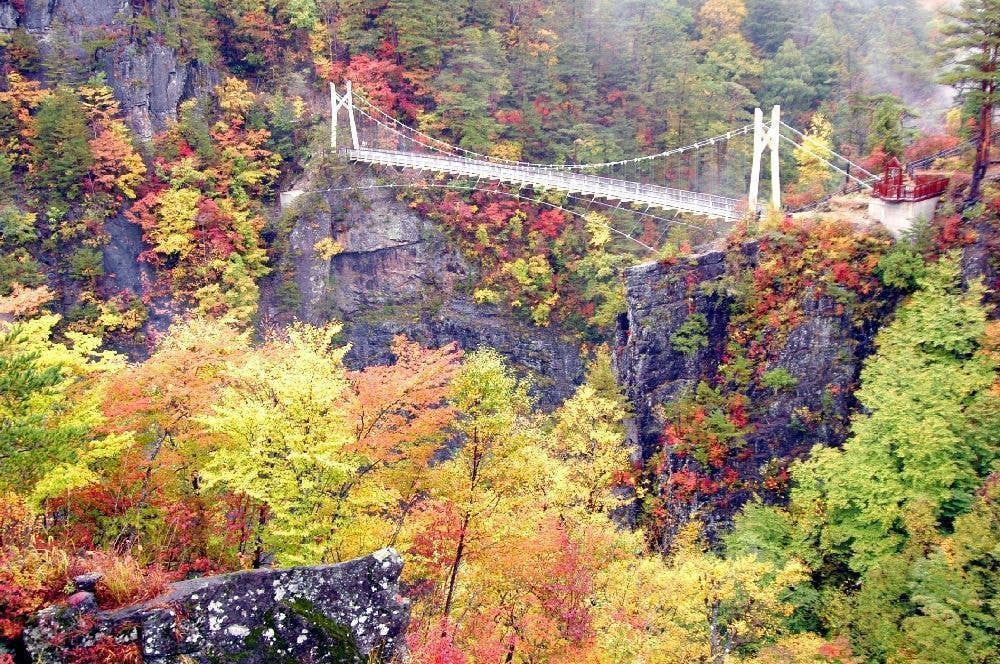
591, 433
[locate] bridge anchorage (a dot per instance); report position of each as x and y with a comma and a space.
378, 139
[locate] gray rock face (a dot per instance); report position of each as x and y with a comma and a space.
823, 353
553, 365
397, 274
981, 259
149, 82
123, 271
8, 16
76, 14
660, 298
147, 76
349, 612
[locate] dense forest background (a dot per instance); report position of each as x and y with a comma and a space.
544, 81
166, 416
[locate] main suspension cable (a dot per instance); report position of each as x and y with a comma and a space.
452, 149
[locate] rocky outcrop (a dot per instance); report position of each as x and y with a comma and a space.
122, 268
659, 300
349, 612
150, 81
823, 354
396, 273
553, 364
981, 258
149, 78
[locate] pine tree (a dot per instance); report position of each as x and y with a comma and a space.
825, 58
61, 151
769, 23
972, 50
469, 88
787, 80
422, 30
887, 133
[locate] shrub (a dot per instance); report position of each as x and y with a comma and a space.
779, 379
17, 228
86, 264
289, 296
327, 248
19, 267
105, 651
30, 578
691, 336
126, 581
900, 268
486, 296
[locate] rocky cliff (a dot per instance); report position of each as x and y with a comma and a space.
818, 358
825, 351
149, 77
350, 612
394, 272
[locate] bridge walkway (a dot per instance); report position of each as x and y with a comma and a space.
540, 177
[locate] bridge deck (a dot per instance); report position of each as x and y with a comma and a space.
575, 183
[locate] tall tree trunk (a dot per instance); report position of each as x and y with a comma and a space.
985, 139
716, 650
983, 144
453, 574
258, 551
466, 518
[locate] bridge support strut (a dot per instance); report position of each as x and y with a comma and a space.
763, 139
338, 101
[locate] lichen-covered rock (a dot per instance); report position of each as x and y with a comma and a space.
348, 612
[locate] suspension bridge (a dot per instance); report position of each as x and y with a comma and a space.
637, 186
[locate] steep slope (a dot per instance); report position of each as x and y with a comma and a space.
739, 360
392, 272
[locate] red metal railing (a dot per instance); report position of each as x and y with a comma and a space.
924, 187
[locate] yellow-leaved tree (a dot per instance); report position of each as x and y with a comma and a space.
283, 431
588, 441
817, 146
693, 607
50, 395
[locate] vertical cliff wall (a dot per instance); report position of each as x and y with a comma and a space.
149, 77
394, 272
777, 355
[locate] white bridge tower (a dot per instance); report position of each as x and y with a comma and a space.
338, 101
762, 139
